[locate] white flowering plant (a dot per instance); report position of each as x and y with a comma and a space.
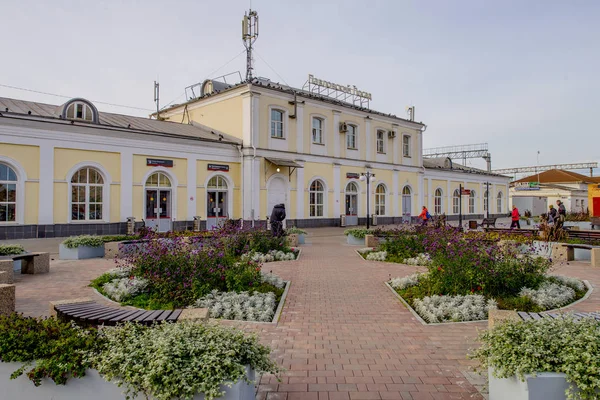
562, 345
239, 306
121, 289
549, 295
177, 361
272, 279
377, 256
423, 259
407, 281
273, 255
573, 283
473, 307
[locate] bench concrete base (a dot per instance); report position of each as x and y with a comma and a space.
38, 263
7, 299
595, 260
6, 271
562, 253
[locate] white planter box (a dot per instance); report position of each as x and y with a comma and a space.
17, 265
354, 241
80, 253
545, 386
91, 387
301, 238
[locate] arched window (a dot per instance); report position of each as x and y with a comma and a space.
216, 201
472, 202
437, 201
217, 182
406, 191
456, 202
79, 109
8, 194
316, 198
87, 195
485, 200
380, 199
406, 203
158, 179
499, 202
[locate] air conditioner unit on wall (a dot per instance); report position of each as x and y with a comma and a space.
343, 127
391, 134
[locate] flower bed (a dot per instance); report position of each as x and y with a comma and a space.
162, 362
273, 255
166, 273
518, 349
470, 274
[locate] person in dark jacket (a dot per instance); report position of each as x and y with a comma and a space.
552, 215
277, 217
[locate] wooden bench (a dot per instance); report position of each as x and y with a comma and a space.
533, 232
88, 312
589, 236
488, 222
31, 263
529, 316
566, 252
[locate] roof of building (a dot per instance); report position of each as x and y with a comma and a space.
34, 110
220, 87
559, 176
445, 163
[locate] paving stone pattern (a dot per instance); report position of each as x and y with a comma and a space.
342, 334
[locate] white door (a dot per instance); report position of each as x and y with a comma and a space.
276, 194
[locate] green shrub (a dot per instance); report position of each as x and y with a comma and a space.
58, 349
295, 231
84, 240
562, 345
358, 233
118, 238
11, 249
403, 246
179, 360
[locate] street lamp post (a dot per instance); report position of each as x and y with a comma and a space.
487, 198
369, 177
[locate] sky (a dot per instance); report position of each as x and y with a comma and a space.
521, 76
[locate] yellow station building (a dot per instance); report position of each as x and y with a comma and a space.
233, 152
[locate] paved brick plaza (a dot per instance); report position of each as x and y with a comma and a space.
342, 333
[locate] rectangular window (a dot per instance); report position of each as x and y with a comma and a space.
351, 137
277, 124
577, 203
406, 146
317, 130
381, 142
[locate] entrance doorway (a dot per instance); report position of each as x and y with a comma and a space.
351, 204
276, 194
158, 202
216, 202
406, 204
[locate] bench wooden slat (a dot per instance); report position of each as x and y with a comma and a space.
553, 315
79, 311
117, 317
143, 316
524, 315
164, 315
66, 307
174, 315
109, 315
91, 314
153, 316
133, 316
535, 316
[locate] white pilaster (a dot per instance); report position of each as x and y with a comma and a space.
256, 119
368, 140
336, 188
420, 148
247, 119
396, 145
256, 189
430, 195
450, 195
300, 193
191, 188
421, 195
300, 131
480, 198
127, 185
335, 136
46, 195
396, 196
248, 186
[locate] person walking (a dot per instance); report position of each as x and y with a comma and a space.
562, 214
425, 215
552, 215
277, 217
515, 218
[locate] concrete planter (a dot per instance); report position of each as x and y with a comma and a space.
80, 253
585, 225
539, 248
301, 238
91, 387
17, 266
354, 241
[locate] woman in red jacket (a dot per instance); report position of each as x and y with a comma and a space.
515, 218
425, 215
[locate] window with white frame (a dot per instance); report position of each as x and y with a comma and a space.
8, 194
87, 187
317, 130
456, 202
577, 203
380, 199
485, 201
381, 141
80, 110
472, 202
277, 123
406, 146
582, 205
499, 202
316, 198
437, 201
351, 137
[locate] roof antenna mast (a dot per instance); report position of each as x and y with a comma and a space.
249, 36
156, 98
